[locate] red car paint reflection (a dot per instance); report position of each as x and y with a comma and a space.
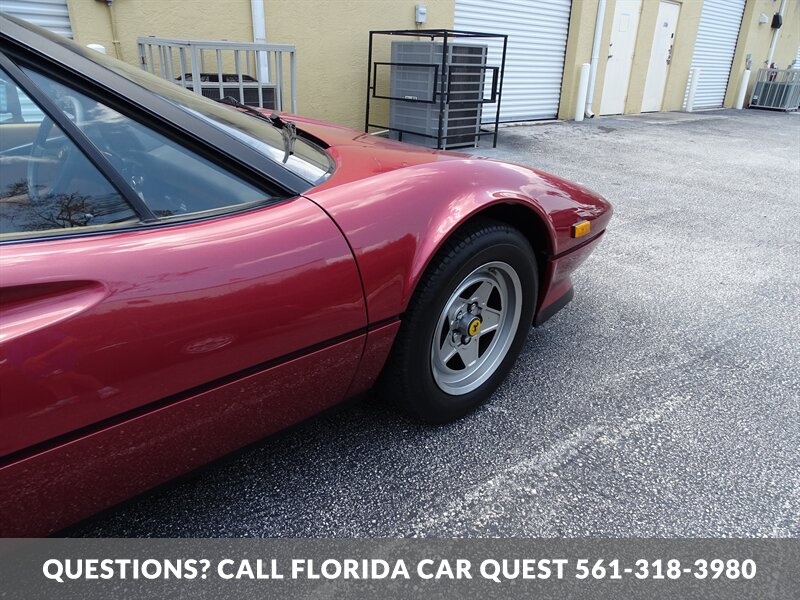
129, 358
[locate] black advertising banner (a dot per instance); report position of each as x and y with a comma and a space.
399, 568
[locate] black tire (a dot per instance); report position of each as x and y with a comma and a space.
408, 379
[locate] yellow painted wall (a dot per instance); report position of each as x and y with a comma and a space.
579, 50
332, 45
682, 51
755, 40
192, 19
331, 37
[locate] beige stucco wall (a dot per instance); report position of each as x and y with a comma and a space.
754, 39
331, 37
579, 50
332, 44
682, 51
194, 19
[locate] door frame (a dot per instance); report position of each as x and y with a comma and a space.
669, 65
633, 56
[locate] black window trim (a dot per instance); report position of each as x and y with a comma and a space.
68, 66
10, 62
84, 144
144, 224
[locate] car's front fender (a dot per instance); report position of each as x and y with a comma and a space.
396, 221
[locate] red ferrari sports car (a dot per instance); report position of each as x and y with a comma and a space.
180, 278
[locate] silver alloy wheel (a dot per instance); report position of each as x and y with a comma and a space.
464, 354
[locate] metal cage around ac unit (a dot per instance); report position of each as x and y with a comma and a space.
438, 86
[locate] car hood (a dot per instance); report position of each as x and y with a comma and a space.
359, 155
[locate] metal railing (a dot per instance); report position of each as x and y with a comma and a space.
250, 72
778, 89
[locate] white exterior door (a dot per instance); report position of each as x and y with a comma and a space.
50, 14
713, 51
537, 42
620, 56
660, 56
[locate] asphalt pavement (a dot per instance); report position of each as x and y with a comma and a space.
663, 401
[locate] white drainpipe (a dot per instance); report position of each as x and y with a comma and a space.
260, 37
694, 78
583, 86
598, 34
742, 90
775, 34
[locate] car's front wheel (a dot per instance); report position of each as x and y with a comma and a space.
466, 323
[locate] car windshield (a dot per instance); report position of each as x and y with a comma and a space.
308, 160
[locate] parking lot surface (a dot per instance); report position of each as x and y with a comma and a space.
663, 401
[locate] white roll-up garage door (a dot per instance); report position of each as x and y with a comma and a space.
50, 14
537, 41
713, 52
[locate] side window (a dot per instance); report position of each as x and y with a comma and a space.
170, 179
16, 108
47, 185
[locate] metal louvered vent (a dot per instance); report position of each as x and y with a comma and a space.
50, 14
413, 78
777, 89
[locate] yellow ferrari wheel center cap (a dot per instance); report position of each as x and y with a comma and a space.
474, 327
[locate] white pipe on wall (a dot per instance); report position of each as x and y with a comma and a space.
583, 87
775, 33
742, 89
114, 35
260, 37
694, 77
598, 34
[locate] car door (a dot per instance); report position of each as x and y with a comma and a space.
106, 314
